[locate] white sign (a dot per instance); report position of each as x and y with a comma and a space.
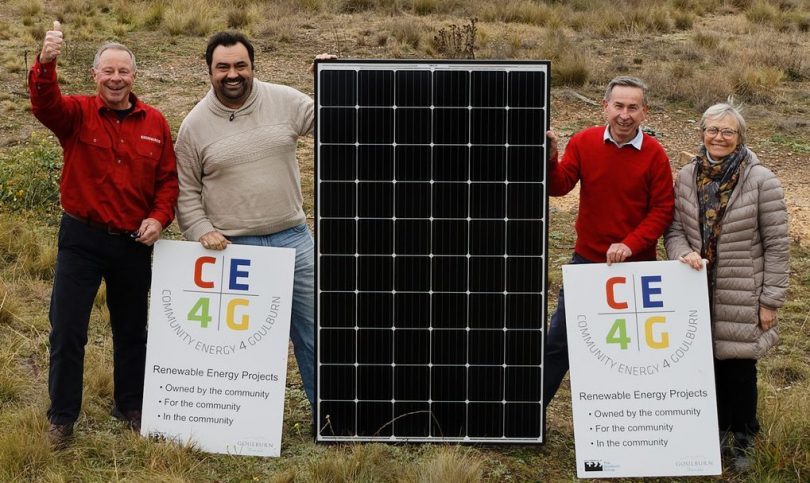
642, 371
216, 361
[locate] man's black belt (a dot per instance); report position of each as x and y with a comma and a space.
108, 229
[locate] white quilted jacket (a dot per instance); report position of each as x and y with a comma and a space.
752, 256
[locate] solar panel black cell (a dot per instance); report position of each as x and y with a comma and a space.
451, 88
412, 163
413, 88
487, 126
527, 89
338, 162
339, 88
375, 88
488, 163
338, 125
488, 89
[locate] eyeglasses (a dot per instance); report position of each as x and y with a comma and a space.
726, 133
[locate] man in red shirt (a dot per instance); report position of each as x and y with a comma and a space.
625, 199
118, 190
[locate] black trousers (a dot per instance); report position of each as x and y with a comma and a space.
556, 353
85, 256
736, 384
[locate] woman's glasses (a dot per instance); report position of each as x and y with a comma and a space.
725, 133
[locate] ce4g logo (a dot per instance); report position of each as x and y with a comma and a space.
231, 290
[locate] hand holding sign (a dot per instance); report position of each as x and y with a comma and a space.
214, 240
52, 46
323, 56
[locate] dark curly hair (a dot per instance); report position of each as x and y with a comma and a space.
226, 39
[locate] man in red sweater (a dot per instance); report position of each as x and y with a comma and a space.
118, 190
625, 198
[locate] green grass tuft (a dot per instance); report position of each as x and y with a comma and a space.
29, 175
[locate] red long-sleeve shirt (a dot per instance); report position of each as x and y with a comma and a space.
116, 172
625, 194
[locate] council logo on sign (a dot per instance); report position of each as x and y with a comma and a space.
593, 465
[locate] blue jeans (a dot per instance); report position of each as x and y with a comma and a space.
302, 325
556, 362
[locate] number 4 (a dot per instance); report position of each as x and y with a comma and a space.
199, 313
618, 334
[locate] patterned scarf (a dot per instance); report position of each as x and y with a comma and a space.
715, 183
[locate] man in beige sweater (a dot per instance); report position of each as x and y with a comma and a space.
239, 179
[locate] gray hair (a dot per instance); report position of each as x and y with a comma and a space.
627, 81
723, 109
113, 46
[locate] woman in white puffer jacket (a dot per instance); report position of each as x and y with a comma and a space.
730, 210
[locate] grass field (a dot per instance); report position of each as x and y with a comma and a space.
692, 52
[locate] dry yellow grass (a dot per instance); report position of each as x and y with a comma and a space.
687, 70
192, 17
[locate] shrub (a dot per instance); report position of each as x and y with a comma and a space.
605, 23
237, 18
756, 83
526, 12
125, 12
688, 53
13, 65
153, 17
683, 20
424, 7
451, 464
310, 5
741, 3
803, 22
454, 42
195, 18
29, 8
789, 57
359, 463
782, 455
697, 7
29, 176
705, 39
762, 12
571, 70
407, 31
10, 308
25, 254
556, 45
23, 451
658, 21
279, 29
119, 30
353, 6
700, 88
37, 32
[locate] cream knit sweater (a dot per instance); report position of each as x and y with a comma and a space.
237, 167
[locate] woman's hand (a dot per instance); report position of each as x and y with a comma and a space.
692, 259
767, 317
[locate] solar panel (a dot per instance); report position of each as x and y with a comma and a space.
431, 228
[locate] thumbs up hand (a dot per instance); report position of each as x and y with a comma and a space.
52, 46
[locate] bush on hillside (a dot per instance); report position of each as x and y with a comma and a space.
29, 175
